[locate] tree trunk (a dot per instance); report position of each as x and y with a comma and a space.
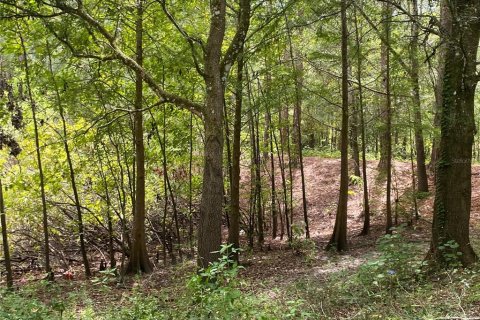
339, 236
296, 155
111, 251
272, 177
422, 178
139, 261
354, 129
234, 228
48, 268
451, 220
281, 162
387, 137
6, 249
445, 28
211, 206
366, 205
190, 190
385, 134
258, 181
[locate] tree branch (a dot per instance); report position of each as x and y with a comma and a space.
191, 40
80, 13
238, 40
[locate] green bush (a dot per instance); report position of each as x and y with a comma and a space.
301, 245
216, 294
17, 306
397, 264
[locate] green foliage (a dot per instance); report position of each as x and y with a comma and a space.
108, 276
450, 254
355, 180
422, 195
397, 263
216, 293
136, 306
15, 306
302, 245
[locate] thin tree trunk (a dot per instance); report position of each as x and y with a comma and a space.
366, 204
297, 156
290, 172
48, 268
414, 183
274, 212
190, 190
354, 128
76, 196
385, 132
258, 182
139, 260
234, 228
284, 187
387, 137
445, 28
6, 248
111, 251
419, 142
339, 236
166, 178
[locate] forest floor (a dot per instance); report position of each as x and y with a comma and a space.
305, 282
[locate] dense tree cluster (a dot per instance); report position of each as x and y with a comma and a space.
143, 129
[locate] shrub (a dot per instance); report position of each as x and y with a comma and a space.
301, 245
396, 264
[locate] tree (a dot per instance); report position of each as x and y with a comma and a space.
234, 227
216, 67
387, 135
451, 220
139, 260
366, 204
6, 249
7, 140
48, 268
422, 178
339, 236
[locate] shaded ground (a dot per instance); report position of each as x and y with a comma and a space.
278, 267
279, 264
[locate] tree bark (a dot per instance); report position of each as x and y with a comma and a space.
387, 136
385, 132
6, 248
366, 204
445, 28
211, 206
139, 261
339, 236
451, 220
234, 228
422, 178
48, 268
354, 128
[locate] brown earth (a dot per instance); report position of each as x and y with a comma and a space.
277, 263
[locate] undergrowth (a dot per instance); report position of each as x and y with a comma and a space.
213, 293
394, 284
391, 284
